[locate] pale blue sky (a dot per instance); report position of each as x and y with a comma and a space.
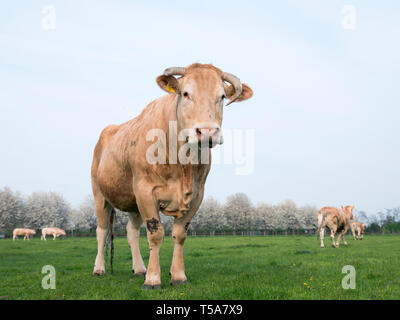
326, 100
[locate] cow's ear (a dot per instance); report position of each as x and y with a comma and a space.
168, 83
247, 93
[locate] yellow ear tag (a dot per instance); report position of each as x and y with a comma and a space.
241, 96
170, 89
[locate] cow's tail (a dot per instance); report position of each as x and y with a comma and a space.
110, 239
321, 218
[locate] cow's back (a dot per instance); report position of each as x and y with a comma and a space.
19, 231
329, 212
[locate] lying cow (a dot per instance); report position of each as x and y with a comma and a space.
337, 220
23, 232
124, 177
358, 230
55, 232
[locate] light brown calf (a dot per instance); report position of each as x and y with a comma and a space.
337, 220
124, 178
23, 232
55, 232
358, 230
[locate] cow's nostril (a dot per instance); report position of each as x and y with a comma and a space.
206, 133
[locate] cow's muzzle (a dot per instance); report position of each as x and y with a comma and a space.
206, 136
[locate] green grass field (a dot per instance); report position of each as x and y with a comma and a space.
274, 267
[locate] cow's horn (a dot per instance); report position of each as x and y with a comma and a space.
174, 71
235, 81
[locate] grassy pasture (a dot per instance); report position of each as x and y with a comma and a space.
273, 267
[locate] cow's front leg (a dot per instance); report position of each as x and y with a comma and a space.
155, 233
133, 233
340, 235
177, 270
344, 241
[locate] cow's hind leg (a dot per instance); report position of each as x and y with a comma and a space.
133, 233
321, 236
333, 227
103, 211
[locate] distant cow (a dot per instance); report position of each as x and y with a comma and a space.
337, 220
55, 232
23, 232
123, 177
358, 230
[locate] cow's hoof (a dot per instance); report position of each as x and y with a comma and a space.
151, 286
322, 246
177, 282
138, 274
99, 273
334, 246
346, 244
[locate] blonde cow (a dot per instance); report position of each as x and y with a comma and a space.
337, 220
129, 172
357, 229
23, 232
55, 232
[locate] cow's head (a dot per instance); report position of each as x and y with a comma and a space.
349, 211
201, 90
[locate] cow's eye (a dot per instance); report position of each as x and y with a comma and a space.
186, 95
223, 97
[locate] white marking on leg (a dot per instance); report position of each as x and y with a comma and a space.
321, 236
99, 266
